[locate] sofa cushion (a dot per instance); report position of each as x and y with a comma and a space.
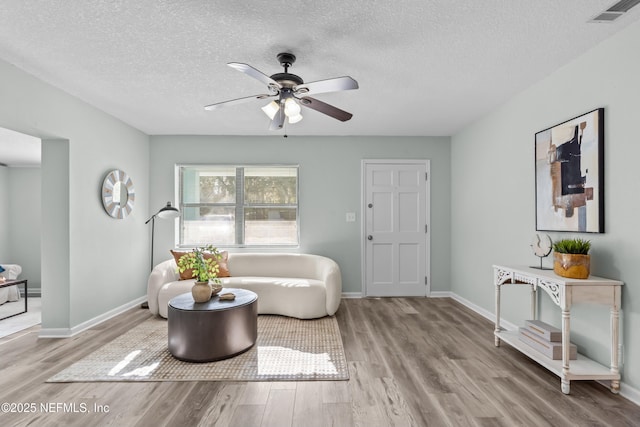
188, 273
285, 296
276, 265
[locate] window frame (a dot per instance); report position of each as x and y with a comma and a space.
239, 206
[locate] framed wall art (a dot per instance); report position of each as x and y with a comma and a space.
570, 175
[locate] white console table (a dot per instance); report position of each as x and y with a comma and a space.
564, 293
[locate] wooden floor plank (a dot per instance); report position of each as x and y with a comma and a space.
278, 411
308, 408
220, 410
203, 399
158, 412
255, 393
335, 392
247, 416
337, 414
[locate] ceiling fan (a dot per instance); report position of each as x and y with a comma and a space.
288, 92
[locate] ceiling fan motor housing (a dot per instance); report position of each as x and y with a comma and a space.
287, 79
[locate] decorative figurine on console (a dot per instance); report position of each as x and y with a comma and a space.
542, 246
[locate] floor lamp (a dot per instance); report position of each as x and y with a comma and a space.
167, 212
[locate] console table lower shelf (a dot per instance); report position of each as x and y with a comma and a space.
564, 293
582, 368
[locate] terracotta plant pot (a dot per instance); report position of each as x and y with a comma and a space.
573, 266
201, 291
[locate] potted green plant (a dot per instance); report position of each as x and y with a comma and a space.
203, 263
571, 258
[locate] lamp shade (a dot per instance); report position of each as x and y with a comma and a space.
295, 119
291, 108
168, 212
271, 109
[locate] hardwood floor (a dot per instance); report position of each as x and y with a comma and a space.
412, 362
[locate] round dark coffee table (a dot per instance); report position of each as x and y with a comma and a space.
213, 330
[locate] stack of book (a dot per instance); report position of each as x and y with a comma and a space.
546, 339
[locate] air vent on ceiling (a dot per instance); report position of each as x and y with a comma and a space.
607, 17
615, 11
623, 6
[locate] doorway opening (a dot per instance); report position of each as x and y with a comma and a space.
20, 229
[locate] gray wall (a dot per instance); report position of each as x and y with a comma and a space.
4, 216
56, 236
330, 186
91, 263
25, 222
493, 202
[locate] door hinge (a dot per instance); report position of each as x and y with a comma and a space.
426, 176
425, 280
426, 228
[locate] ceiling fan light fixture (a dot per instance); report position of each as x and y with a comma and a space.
291, 108
295, 119
271, 109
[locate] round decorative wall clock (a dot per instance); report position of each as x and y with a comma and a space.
118, 194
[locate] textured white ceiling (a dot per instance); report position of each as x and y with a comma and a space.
425, 67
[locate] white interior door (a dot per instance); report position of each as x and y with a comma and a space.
395, 228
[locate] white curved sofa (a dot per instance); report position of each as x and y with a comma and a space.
295, 285
10, 293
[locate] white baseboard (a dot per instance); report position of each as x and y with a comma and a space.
34, 292
352, 295
440, 294
626, 391
31, 292
69, 332
633, 394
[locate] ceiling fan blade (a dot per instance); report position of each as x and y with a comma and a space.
278, 120
324, 86
236, 101
256, 74
325, 108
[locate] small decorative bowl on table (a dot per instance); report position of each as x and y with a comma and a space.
216, 288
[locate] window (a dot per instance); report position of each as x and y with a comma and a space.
238, 205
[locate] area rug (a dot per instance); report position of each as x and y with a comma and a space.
287, 349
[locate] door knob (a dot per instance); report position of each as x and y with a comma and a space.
369, 237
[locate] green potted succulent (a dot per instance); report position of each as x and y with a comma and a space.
571, 258
203, 263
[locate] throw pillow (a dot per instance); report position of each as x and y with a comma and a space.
222, 263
